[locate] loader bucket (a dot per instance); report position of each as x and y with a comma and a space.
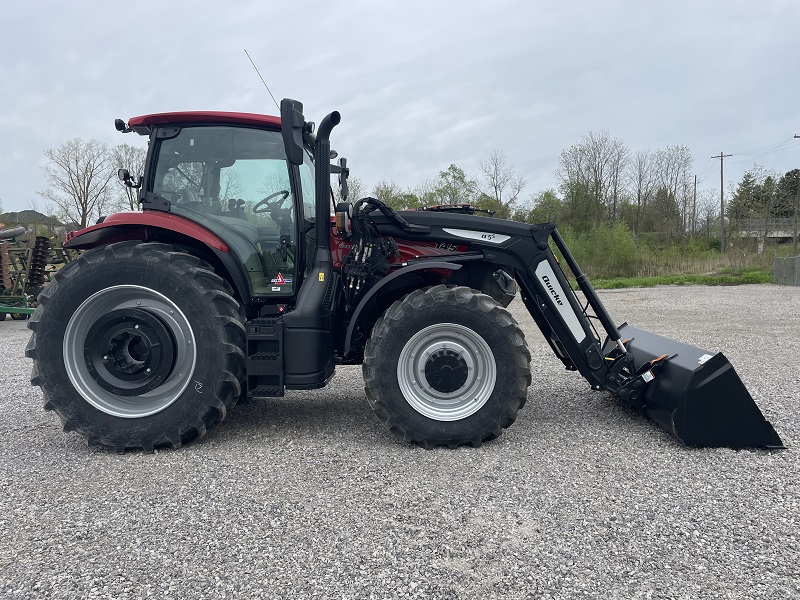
697, 395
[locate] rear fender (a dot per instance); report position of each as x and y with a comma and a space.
98, 235
168, 229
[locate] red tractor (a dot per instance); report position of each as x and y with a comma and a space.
236, 279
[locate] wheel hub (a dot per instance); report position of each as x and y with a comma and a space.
107, 356
446, 370
129, 351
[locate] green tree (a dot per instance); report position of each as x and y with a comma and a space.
789, 192
757, 202
454, 187
663, 216
547, 208
495, 208
579, 209
742, 204
409, 200
390, 193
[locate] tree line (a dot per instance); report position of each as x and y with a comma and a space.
601, 183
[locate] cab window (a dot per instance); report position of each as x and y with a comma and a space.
236, 182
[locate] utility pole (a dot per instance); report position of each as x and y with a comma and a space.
721, 157
796, 209
694, 207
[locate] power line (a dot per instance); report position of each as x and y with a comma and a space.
765, 148
747, 159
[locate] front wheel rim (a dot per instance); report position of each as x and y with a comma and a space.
170, 347
446, 372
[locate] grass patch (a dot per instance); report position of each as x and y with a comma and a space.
730, 278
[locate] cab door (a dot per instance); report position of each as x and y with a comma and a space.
237, 182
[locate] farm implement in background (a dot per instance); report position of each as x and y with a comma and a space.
24, 270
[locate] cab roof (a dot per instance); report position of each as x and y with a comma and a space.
144, 123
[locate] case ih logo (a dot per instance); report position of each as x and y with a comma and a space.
553, 293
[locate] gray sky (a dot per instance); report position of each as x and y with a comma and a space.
419, 84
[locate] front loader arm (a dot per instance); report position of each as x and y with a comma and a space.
564, 322
524, 251
693, 393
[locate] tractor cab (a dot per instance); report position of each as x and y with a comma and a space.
229, 173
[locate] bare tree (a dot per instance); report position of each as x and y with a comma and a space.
230, 186
426, 192
355, 190
591, 173
80, 175
674, 165
643, 176
708, 210
131, 158
502, 181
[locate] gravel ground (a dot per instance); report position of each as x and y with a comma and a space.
308, 496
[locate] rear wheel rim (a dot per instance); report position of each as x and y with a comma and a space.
446, 372
103, 359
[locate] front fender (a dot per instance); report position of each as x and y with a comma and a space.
403, 271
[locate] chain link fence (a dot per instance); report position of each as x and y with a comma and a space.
787, 270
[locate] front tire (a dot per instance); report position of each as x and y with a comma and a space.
136, 345
446, 366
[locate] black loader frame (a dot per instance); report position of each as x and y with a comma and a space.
693, 393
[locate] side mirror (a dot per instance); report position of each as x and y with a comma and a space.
120, 126
292, 125
125, 177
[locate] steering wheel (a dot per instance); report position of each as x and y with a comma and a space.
266, 206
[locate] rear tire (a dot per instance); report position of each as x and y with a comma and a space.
446, 366
136, 345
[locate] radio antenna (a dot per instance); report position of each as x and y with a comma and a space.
262, 79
